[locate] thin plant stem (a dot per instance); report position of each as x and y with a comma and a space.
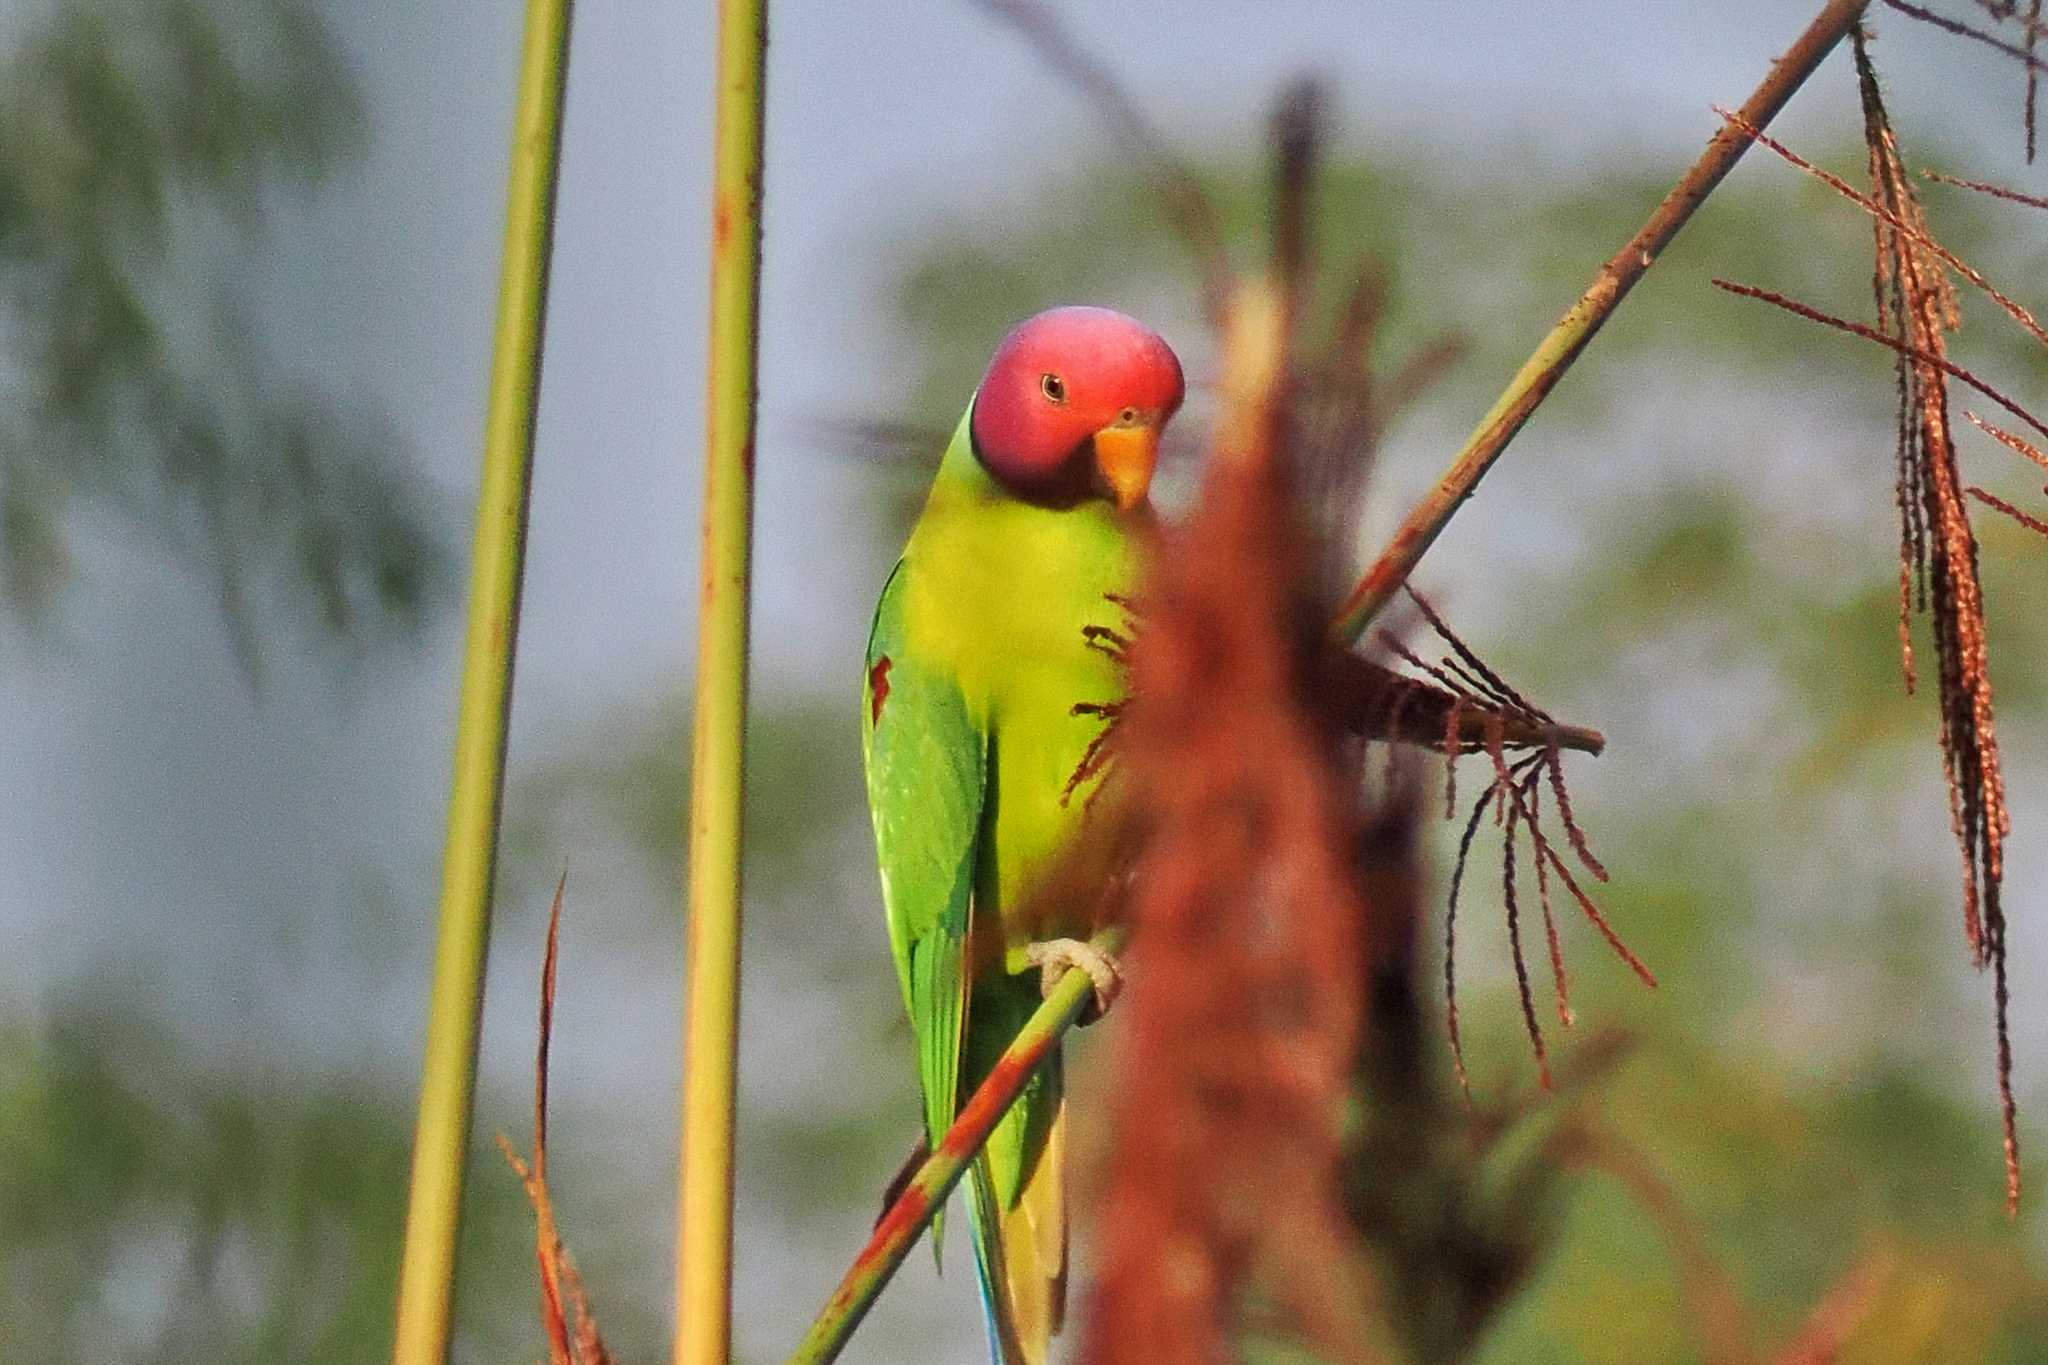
703, 1264
426, 1277
934, 1180
1539, 375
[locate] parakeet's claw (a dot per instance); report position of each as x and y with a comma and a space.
1054, 956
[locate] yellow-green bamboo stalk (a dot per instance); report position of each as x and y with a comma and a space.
704, 1206
426, 1277
1540, 373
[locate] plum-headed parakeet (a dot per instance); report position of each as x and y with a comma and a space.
1035, 522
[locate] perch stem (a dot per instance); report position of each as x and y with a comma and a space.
934, 1180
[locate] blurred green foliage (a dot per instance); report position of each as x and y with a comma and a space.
143, 143
155, 1209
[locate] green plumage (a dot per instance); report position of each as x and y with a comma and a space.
976, 661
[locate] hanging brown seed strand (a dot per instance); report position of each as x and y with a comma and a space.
1522, 986
1917, 306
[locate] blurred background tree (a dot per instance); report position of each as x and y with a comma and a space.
144, 142
1689, 551
156, 1206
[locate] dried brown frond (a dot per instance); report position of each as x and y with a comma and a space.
1515, 791
1919, 307
573, 1338
1239, 1033
1507, 895
1548, 851
1376, 702
1982, 187
1451, 941
1938, 556
1915, 230
1559, 982
1246, 908
1462, 705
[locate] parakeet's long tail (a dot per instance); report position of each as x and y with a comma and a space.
1020, 1254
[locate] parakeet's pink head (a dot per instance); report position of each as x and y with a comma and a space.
1072, 407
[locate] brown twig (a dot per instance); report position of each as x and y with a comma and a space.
1962, 30
1984, 187
1579, 325
2009, 441
2033, 524
1897, 223
1374, 701
1451, 942
1907, 349
1552, 941
2030, 114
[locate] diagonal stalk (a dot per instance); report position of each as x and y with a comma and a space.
926, 1193
703, 1267
426, 1279
1539, 375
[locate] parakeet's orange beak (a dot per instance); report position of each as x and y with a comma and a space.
1126, 457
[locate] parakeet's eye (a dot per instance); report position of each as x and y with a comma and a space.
1052, 388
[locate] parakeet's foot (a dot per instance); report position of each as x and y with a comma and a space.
1054, 956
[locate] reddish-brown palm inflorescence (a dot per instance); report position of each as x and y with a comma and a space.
566, 1319
1484, 714
1243, 746
1939, 575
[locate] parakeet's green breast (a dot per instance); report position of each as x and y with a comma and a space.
998, 593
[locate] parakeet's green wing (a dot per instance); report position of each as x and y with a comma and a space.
926, 763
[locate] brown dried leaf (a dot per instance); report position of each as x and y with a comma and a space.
573, 1338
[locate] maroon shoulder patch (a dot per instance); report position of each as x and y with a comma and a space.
878, 689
